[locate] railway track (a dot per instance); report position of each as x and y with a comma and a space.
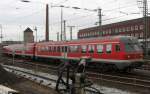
120, 80
41, 78
146, 66
126, 79
31, 75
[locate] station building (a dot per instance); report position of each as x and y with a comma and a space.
134, 27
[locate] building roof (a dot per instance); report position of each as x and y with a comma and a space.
28, 30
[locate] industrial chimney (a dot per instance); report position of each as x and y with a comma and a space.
47, 23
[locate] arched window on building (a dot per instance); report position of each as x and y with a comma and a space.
110, 31
141, 35
128, 28
141, 27
120, 30
132, 28
137, 35
123, 29
116, 30
136, 27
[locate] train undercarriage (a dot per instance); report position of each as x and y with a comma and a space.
100, 66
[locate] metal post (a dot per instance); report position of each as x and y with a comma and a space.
57, 36
1, 35
36, 33
64, 33
71, 27
145, 19
47, 23
20, 33
71, 33
100, 21
61, 35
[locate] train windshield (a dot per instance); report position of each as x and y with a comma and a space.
132, 45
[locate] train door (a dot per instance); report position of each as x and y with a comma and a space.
116, 50
91, 50
64, 51
108, 51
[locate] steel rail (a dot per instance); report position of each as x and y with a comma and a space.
33, 74
120, 80
94, 91
105, 77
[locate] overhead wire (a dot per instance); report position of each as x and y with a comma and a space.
110, 19
77, 17
110, 10
87, 16
62, 2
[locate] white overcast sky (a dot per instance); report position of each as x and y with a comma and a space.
15, 15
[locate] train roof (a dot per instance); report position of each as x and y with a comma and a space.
79, 41
88, 40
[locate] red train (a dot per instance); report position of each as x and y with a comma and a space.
121, 52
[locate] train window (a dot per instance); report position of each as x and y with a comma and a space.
50, 48
100, 48
42, 49
117, 47
83, 47
74, 48
108, 48
130, 47
58, 49
39, 48
71, 48
64, 48
91, 48
46, 48
55, 49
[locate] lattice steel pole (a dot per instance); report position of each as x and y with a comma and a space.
145, 20
100, 21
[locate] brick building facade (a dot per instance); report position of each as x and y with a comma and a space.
134, 27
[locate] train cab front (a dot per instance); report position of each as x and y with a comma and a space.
133, 53
134, 59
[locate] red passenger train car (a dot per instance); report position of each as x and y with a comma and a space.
121, 52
